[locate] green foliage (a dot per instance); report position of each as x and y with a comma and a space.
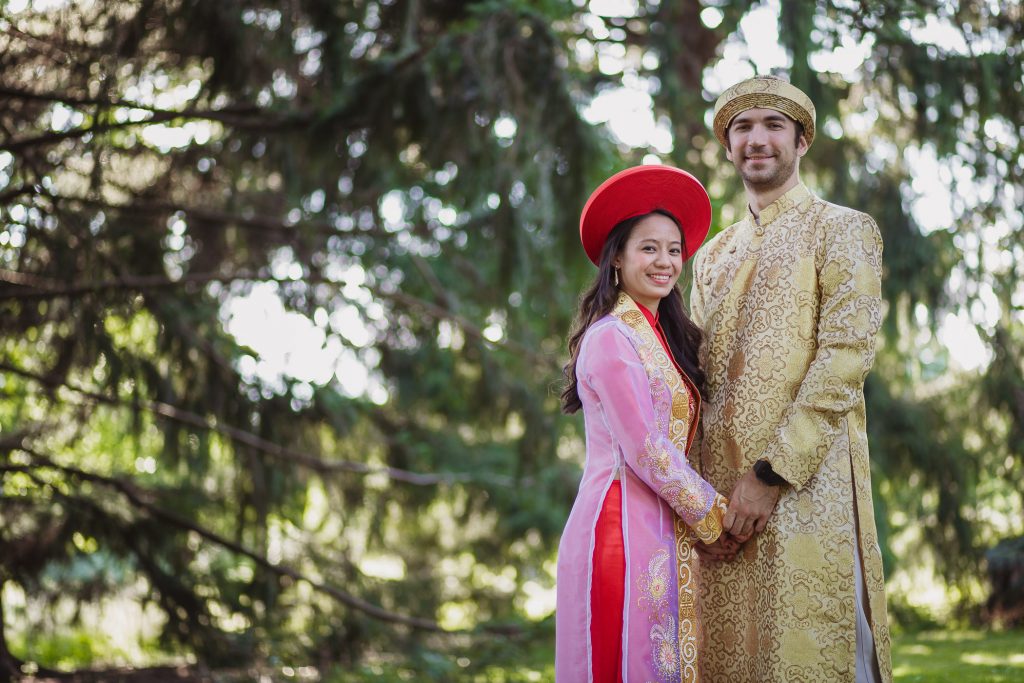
418, 167
77, 648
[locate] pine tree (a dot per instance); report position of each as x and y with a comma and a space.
419, 166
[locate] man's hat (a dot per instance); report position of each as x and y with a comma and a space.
765, 92
640, 190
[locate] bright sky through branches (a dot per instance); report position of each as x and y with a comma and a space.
291, 345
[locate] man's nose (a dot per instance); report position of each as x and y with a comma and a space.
758, 135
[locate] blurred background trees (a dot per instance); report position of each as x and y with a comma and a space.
391, 190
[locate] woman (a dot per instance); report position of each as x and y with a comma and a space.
626, 604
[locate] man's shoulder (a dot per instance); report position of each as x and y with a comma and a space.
841, 224
837, 212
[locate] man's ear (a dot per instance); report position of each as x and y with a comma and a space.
801, 145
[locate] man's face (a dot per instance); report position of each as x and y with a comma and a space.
764, 148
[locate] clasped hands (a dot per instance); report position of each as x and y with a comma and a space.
750, 506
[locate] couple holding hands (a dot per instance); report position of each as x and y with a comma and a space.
724, 529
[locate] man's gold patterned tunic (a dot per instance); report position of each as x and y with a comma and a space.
790, 307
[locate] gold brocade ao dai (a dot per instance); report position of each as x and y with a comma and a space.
790, 308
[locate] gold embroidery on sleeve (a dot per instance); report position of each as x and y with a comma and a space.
709, 529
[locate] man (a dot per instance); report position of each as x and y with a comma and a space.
789, 299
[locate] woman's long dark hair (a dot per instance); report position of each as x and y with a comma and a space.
599, 299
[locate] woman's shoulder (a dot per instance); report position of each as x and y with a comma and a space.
606, 333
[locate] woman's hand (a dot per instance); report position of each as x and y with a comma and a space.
723, 549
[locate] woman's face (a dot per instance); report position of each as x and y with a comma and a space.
651, 260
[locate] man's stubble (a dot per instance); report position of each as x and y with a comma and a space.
762, 181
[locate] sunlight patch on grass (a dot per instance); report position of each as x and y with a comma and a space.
959, 657
986, 659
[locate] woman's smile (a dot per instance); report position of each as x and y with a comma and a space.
651, 260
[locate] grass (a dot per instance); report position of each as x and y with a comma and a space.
959, 657
927, 657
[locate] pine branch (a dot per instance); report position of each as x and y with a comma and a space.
64, 98
289, 455
43, 288
50, 289
21, 144
136, 496
42, 45
257, 222
265, 123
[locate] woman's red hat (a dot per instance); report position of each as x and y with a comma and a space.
640, 190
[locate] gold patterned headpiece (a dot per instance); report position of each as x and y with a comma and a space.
767, 92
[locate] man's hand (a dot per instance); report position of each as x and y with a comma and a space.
751, 503
725, 548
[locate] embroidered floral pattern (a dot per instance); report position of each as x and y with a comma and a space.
666, 648
689, 495
654, 586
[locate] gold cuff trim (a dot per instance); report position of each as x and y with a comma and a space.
709, 529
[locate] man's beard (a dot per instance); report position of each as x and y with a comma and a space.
758, 180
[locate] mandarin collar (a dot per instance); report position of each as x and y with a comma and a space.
652, 318
794, 197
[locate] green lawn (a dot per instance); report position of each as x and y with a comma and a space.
930, 657
959, 657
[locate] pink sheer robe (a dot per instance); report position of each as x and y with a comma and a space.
640, 417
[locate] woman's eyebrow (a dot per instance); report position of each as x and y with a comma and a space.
652, 239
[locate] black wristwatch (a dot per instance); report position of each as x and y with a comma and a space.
766, 475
